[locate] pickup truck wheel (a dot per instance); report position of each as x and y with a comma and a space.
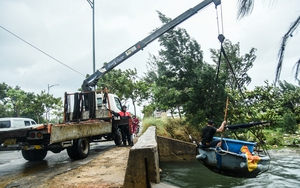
80, 149
118, 137
34, 155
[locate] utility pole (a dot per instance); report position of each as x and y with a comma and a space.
48, 110
92, 4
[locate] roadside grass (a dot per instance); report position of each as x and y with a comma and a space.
173, 128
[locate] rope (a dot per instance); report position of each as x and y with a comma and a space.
243, 96
221, 39
225, 152
171, 150
225, 117
222, 51
235, 78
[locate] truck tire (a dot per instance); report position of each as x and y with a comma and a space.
131, 140
34, 155
83, 148
118, 137
80, 149
71, 153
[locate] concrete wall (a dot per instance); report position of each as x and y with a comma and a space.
175, 150
143, 161
145, 155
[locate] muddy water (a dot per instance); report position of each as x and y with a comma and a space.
284, 172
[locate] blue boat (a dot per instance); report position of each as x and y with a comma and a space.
235, 158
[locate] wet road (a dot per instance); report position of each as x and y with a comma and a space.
18, 172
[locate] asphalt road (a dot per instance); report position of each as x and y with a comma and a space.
18, 172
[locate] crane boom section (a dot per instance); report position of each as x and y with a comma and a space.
91, 81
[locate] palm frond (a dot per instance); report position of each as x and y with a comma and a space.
245, 7
292, 28
297, 70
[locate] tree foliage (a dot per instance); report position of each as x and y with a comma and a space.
182, 79
266, 103
18, 103
126, 85
118, 82
3, 98
240, 64
289, 123
178, 80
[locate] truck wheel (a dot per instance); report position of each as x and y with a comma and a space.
83, 148
26, 155
118, 137
80, 149
71, 153
131, 140
34, 155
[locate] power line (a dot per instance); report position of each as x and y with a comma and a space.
40, 50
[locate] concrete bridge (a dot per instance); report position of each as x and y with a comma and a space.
144, 158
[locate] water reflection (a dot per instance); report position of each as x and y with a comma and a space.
284, 172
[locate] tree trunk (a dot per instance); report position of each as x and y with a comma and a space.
133, 102
179, 113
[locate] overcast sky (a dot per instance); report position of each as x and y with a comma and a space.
63, 29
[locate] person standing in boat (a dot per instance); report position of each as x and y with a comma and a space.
208, 133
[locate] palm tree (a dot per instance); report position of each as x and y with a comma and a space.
245, 8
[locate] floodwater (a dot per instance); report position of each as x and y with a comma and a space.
284, 172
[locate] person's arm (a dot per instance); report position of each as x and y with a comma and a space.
221, 128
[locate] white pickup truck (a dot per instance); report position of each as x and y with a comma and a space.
88, 118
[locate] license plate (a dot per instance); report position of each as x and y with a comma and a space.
11, 141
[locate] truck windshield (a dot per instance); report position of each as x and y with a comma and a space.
118, 103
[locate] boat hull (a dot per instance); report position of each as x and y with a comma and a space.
235, 164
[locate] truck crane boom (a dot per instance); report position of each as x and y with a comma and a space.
91, 81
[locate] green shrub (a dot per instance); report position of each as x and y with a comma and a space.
289, 124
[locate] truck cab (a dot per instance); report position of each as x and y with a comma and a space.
83, 106
115, 103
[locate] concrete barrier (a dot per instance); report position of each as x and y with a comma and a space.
145, 155
175, 150
143, 161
